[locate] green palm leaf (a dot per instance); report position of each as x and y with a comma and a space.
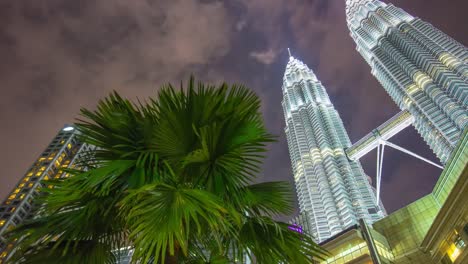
162, 217
273, 242
267, 198
172, 177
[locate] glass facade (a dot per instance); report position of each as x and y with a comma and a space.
447, 238
333, 190
406, 228
451, 174
353, 251
354, 246
349, 246
19, 204
382, 247
423, 70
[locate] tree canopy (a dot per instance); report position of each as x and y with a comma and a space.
174, 179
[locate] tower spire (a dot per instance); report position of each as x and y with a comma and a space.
317, 141
289, 51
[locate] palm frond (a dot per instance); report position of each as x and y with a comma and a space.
267, 198
273, 242
58, 253
172, 177
162, 217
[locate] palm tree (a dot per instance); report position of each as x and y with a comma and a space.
172, 178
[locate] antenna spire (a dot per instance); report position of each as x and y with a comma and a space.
289, 51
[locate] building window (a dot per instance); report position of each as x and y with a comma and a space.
456, 248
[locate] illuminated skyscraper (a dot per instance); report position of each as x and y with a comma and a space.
19, 204
332, 191
422, 69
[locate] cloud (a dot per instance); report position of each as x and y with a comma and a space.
59, 56
241, 24
265, 57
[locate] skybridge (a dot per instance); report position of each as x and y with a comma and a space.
378, 138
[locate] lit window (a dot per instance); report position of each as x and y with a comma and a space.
30, 185
59, 173
456, 248
69, 146
453, 252
41, 159
2, 222
22, 196
62, 141
12, 197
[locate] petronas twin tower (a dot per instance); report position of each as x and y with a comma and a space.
423, 70
332, 191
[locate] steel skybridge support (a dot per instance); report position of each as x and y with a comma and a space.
378, 138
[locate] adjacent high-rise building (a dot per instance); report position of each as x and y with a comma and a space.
19, 204
333, 190
423, 70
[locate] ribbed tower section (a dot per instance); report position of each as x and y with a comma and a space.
332, 191
422, 69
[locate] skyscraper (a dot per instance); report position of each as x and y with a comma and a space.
333, 190
423, 70
19, 204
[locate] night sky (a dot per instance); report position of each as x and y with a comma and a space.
57, 56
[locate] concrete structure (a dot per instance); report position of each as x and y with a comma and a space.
423, 70
333, 190
19, 204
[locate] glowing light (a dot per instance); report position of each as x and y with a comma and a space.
68, 128
454, 252
296, 228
